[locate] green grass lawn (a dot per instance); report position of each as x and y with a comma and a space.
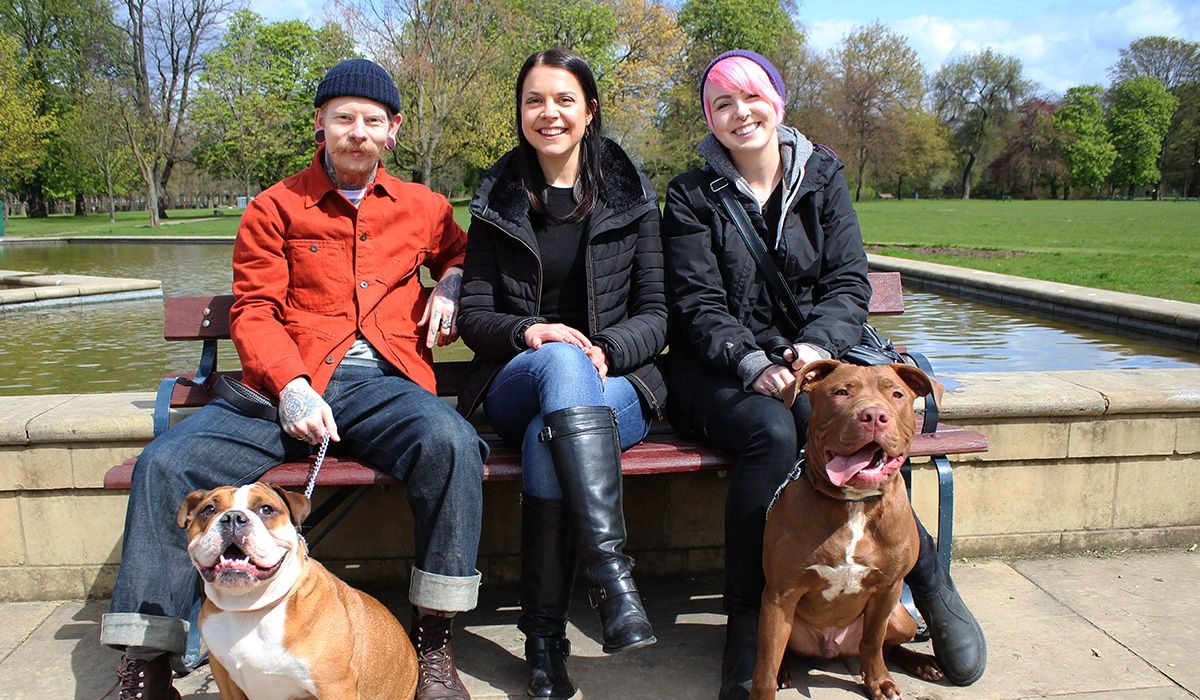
179, 222
1141, 247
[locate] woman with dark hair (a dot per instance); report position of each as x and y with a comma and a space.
733, 348
563, 304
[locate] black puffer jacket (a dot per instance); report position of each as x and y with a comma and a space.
627, 310
722, 310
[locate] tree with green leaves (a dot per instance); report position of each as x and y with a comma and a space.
253, 114
60, 44
1180, 161
1086, 144
1138, 120
1172, 62
922, 160
25, 129
876, 81
974, 95
763, 26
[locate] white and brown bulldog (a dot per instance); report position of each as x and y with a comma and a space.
277, 624
840, 539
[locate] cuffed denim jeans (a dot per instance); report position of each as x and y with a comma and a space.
384, 420
542, 381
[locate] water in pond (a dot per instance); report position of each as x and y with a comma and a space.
118, 346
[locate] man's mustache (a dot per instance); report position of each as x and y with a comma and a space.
347, 146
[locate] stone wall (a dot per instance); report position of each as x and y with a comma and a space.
1078, 460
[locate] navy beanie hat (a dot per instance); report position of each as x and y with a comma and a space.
359, 77
772, 74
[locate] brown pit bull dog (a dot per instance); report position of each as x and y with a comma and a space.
840, 538
277, 624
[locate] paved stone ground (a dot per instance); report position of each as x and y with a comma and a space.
1098, 627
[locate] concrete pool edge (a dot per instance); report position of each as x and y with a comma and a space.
22, 289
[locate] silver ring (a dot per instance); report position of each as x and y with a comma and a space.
774, 391
446, 323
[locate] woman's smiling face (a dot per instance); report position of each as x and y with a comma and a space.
554, 114
743, 122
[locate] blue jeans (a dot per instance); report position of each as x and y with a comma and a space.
384, 419
542, 381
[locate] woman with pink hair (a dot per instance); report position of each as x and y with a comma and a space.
734, 347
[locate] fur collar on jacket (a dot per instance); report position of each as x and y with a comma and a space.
500, 192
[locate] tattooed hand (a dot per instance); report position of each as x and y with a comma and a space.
304, 415
441, 311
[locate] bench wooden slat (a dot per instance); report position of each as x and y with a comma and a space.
662, 452
196, 317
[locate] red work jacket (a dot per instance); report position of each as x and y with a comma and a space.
311, 271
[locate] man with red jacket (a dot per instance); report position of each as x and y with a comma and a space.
330, 318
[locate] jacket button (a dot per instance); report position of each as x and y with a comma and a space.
363, 284
313, 247
329, 360
362, 236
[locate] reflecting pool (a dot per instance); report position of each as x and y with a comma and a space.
118, 346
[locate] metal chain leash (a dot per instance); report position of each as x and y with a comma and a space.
316, 467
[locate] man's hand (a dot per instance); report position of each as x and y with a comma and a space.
304, 415
441, 311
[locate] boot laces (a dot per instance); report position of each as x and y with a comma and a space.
131, 679
434, 653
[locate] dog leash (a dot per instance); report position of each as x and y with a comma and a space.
316, 467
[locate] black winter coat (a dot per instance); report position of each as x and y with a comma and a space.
627, 309
719, 298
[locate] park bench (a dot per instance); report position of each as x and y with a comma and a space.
206, 319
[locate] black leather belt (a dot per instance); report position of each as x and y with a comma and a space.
245, 399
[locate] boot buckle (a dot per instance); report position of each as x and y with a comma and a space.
545, 434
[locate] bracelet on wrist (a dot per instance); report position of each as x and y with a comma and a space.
518, 337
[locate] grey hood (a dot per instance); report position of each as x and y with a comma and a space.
794, 152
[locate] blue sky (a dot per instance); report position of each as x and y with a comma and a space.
1060, 44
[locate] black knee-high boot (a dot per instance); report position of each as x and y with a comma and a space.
958, 642
547, 575
587, 459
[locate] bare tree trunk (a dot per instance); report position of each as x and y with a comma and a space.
966, 177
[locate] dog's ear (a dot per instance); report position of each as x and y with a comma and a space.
298, 505
919, 382
187, 509
814, 372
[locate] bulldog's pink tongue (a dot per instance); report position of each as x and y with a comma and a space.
842, 468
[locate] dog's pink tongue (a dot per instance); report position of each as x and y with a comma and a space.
842, 468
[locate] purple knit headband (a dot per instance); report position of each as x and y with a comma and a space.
772, 74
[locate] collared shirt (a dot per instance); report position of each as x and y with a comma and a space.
311, 272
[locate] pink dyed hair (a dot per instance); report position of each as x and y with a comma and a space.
742, 75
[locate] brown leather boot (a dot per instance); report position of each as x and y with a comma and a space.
145, 676
438, 677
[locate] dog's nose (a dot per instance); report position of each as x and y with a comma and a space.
874, 415
232, 518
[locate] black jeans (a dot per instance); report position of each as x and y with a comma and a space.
765, 439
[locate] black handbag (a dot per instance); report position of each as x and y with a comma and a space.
872, 349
